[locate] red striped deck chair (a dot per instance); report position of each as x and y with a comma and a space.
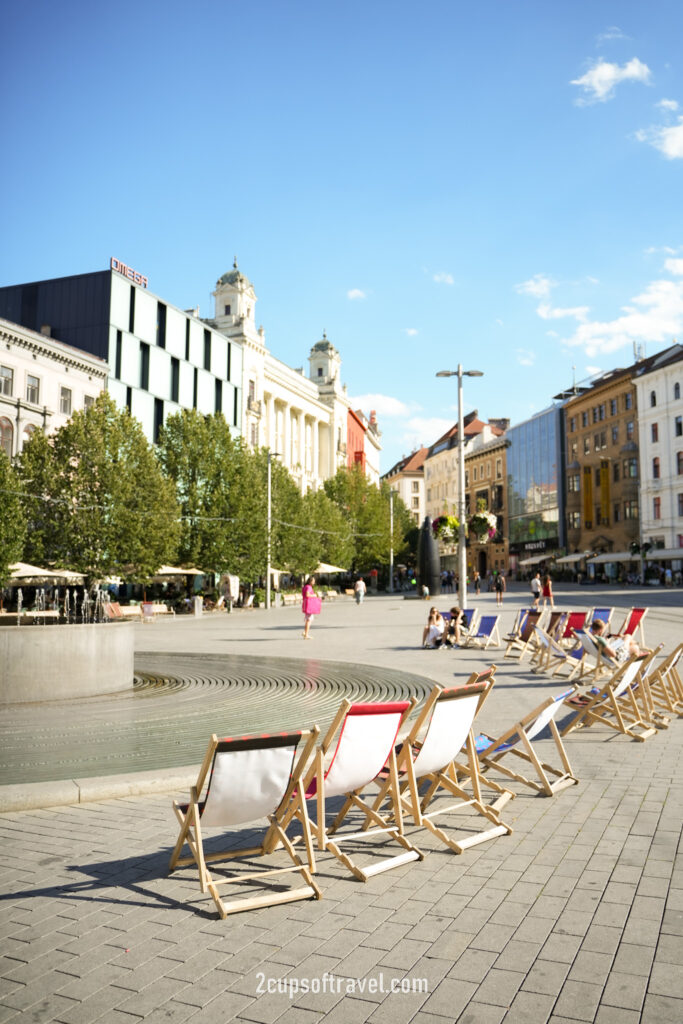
112, 609
615, 703
447, 716
249, 778
365, 736
517, 741
633, 623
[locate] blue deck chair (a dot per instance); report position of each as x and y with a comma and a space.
605, 614
485, 634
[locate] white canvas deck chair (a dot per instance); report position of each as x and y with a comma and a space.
550, 656
615, 703
666, 685
447, 716
365, 736
518, 742
520, 642
594, 662
249, 778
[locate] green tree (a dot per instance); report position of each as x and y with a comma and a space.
336, 543
12, 521
113, 510
365, 508
36, 469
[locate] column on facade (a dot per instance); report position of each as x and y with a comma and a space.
269, 403
301, 454
286, 436
315, 451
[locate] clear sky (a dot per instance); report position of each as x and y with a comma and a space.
497, 184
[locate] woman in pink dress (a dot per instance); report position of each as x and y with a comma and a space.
308, 600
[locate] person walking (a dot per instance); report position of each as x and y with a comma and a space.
359, 590
310, 605
477, 583
499, 586
536, 589
547, 592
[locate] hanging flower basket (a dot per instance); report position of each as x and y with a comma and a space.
483, 525
446, 528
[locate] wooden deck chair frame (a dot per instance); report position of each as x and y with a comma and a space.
602, 665
654, 694
551, 780
289, 795
520, 644
444, 771
491, 636
550, 656
614, 703
604, 614
666, 685
322, 783
574, 621
633, 623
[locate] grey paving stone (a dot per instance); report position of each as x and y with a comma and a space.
482, 1013
665, 980
404, 955
472, 965
528, 1007
450, 998
578, 1000
635, 959
546, 977
625, 990
499, 987
662, 1010
670, 949
616, 1015
591, 967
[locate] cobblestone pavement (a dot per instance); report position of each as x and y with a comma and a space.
577, 916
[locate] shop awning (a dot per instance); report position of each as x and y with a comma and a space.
535, 560
665, 554
612, 556
570, 559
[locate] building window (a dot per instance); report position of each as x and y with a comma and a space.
679, 463
654, 432
499, 469
584, 418
117, 363
598, 517
656, 508
680, 504
467, 478
416, 502
617, 512
613, 407
416, 485
144, 366
65, 401
574, 449
254, 435
574, 520
88, 400
32, 389
655, 469
574, 482
6, 436
630, 469
227, 310
586, 445
677, 390
228, 367
629, 430
597, 476
615, 435
161, 325
628, 400
252, 394
572, 424
615, 472
679, 426
175, 379
187, 341
630, 510
207, 350
653, 399
474, 472
218, 395
158, 417
6, 381
131, 311
595, 414
602, 411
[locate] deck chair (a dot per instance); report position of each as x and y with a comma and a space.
519, 644
604, 614
594, 661
634, 623
614, 703
365, 737
447, 716
666, 684
249, 778
555, 623
550, 656
486, 633
574, 621
518, 742
112, 609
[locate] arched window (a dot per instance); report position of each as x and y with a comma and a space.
653, 398
677, 390
655, 468
6, 436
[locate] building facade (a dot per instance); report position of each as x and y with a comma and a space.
42, 382
658, 383
305, 419
406, 479
485, 474
535, 493
161, 359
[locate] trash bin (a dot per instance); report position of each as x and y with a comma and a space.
198, 605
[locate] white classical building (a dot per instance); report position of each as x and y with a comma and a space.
304, 419
659, 390
42, 382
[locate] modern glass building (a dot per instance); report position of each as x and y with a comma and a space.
535, 483
161, 358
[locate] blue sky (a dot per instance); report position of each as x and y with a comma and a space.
495, 184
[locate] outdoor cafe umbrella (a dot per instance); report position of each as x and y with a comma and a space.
325, 569
23, 574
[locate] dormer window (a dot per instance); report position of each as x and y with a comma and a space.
320, 371
227, 311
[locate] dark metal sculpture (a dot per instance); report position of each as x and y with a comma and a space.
428, 563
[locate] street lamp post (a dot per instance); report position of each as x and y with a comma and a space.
268, 527
391, 541
462, 551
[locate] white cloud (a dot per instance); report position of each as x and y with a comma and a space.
525, 357
384, 405
667, 105
547, 312
674, 267
356, 293
613, 32
410, 331
654, 249
656, 316
593, 280
424, 431
499, 322
668, 139
592, 370
600, 81
551, 334
538, 286
443, 278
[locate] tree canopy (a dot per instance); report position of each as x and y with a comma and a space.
12, 520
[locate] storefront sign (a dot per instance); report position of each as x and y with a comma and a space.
128, 272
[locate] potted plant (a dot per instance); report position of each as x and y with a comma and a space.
482, 523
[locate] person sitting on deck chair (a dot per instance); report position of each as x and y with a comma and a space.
617, 648
433, 633
453, 633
